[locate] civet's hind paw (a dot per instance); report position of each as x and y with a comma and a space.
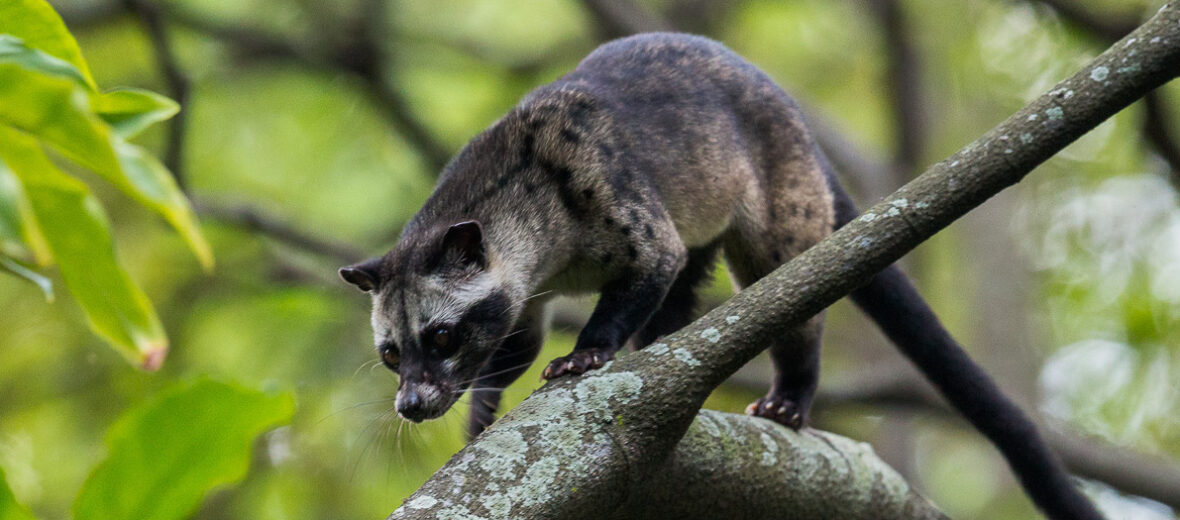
780, 410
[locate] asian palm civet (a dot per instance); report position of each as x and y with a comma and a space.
626, 177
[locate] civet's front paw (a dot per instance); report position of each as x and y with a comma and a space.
577, 362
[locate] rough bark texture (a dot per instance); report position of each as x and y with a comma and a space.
727, 465
582, 447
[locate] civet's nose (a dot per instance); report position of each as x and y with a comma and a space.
409, 405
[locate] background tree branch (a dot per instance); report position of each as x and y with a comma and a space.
611, 430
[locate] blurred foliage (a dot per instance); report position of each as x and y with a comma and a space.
9, 509
1098, 225
48, 98
165, 454
168, 452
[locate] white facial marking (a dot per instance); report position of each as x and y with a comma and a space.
450, 305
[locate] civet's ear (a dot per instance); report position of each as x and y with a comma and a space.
363, 275
465, 242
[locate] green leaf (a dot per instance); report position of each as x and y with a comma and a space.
9, 508
35, 22
76, 230
129, 111
15, 51
20, 271
151, 182
167, 454
54, 109
20, 236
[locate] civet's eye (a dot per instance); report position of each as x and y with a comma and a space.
441, 340
390, 357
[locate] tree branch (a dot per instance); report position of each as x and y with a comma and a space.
361, 54
1157, 127
1109, 27
178, 85
786, 474
699, 16
250, 218
904, 81
358, 55
618, 18
610, 431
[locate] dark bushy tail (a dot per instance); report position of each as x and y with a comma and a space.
901, 313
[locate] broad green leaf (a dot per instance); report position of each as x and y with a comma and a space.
20, 271
129, 111
55, 109
51, 107
9, 508
76, 229
20, 236
35, 22
167, 454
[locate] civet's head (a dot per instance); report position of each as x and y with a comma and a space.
441, 307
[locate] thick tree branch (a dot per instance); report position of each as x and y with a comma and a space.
610, 431
780, 474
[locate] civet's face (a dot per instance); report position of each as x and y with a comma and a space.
439, 312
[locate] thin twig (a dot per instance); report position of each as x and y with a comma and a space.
248, 217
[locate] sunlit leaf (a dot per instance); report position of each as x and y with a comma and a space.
76, 229
51, 107
9, 508
129, 111
167, 454
15, 51
20, 236
16, 269
35, 22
